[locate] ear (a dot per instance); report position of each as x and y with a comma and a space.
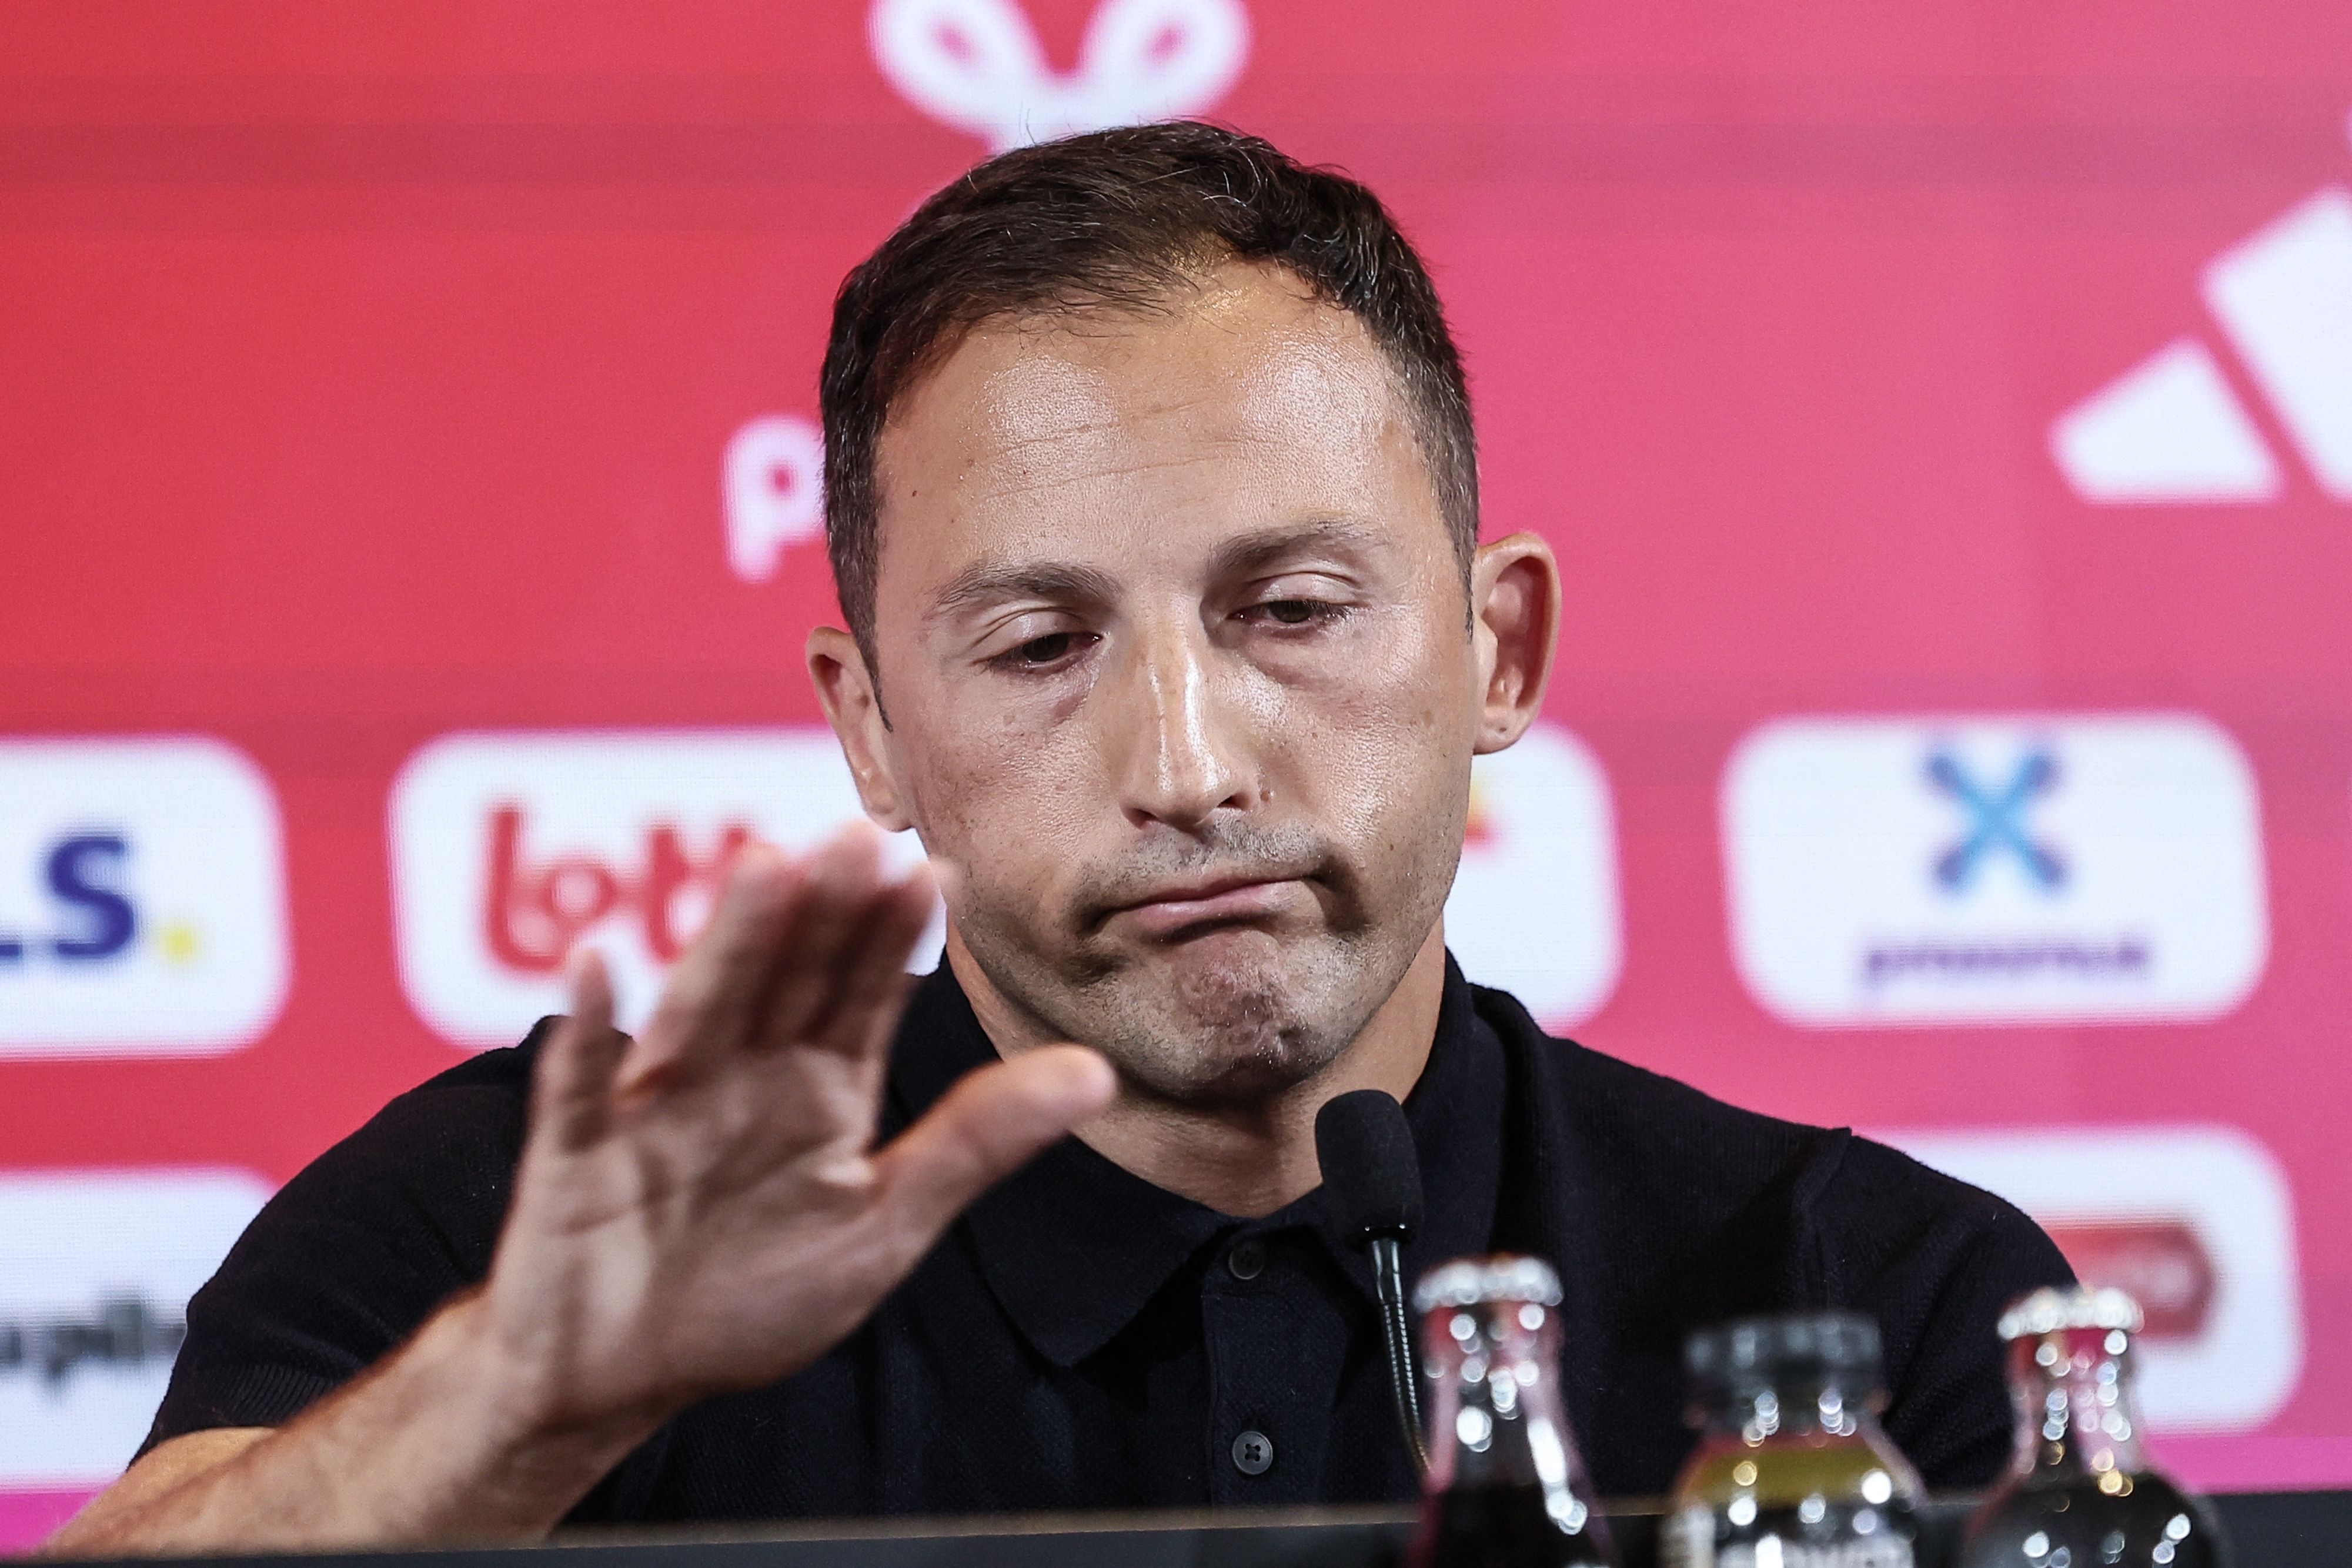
846, 687
1515, 620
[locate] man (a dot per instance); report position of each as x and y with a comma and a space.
1153, 501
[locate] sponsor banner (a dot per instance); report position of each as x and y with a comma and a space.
2034, 868
1534, 908
141, 898
2195, 1221
509, 849
96, 1270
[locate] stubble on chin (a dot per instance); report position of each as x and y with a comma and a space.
1220, 1033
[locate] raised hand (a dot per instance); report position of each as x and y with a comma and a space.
702, 1208
699, 1209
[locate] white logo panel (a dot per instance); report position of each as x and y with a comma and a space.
2171, 432
1534, 908
96, 1270
2054, 869
2195, 1221
508, 850
141, 898
772, 488
976, 65
2285, 296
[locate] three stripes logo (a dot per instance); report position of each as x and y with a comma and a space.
2171, 432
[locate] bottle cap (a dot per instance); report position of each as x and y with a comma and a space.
1473, 1281
2053, 1308
1800, 1347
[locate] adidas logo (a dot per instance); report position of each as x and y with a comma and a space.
2171, 431
977, 65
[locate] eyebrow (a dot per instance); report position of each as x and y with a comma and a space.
1262, 548
991, 582
994, 582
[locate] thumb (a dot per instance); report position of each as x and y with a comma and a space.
986, 1127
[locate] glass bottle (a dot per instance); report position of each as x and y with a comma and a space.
1792, 1470
2080, 1492
1506, 1487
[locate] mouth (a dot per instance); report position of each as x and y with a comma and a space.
1215, 901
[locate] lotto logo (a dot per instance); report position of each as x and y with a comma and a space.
1994, 871
141, 898
96, 1270
2195, 1221
1534, 908
976, 65
2171, 431
509, 850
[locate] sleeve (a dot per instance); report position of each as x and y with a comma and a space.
354, 1254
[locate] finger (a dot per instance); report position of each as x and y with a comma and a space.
714, 995
873, 983
571, 1085
844, 879
993, 1122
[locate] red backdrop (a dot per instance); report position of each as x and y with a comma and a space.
1943, 414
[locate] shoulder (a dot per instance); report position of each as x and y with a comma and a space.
420, 1190
1658, 1132
356, 1251
441, 1155
1701, 1211
1631, 1127
478, 1108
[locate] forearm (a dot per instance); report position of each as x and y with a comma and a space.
434, 1444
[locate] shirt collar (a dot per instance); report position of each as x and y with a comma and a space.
1073, 1245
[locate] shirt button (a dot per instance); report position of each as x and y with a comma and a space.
1253, 1453
1246, 1261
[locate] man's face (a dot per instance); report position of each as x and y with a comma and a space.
1175, 650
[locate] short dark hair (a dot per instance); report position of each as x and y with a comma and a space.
1120, 219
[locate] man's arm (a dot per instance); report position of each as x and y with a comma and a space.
422, 1446
697, 1210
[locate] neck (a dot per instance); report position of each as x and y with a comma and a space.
1251, 1159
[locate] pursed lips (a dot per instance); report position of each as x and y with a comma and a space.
1171, 910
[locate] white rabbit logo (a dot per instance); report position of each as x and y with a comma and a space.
977, 64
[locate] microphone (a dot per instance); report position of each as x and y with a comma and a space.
1365, 1148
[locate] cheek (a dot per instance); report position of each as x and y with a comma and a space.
1000, 798
1378, 747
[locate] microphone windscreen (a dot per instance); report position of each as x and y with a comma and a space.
1365, 1146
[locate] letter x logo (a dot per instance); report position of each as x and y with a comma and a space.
1997, 819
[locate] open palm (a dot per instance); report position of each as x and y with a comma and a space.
701, 1209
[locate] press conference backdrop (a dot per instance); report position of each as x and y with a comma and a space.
1943, 414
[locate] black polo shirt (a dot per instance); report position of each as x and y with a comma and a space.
1082, 1339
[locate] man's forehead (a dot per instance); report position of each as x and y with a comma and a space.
1245, 355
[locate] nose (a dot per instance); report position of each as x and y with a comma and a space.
1176, 762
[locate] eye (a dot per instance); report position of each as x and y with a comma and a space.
1293, 612
1039, 652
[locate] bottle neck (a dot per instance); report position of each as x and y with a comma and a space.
1813, 1408
2076, 1413
1494, 1418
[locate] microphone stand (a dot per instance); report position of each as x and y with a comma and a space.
1372, 1176
1388, 1280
